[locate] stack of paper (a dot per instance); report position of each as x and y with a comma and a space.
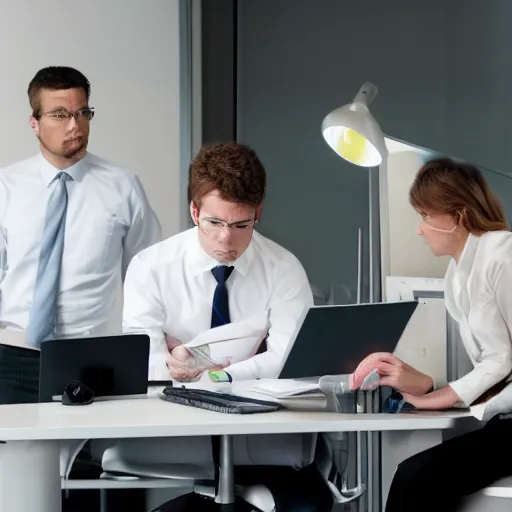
287, 388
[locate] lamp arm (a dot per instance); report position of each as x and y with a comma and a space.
366, 94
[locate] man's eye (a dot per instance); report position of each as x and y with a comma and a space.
215, 223
59, 116
242, 226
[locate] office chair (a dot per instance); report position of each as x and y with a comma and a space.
258, 496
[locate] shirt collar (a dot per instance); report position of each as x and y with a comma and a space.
49, 172
199, 262
468, 254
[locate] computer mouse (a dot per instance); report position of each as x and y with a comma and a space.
77, 393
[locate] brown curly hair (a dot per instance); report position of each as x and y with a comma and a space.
232, 169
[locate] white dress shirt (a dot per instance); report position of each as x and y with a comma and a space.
479, 297
108, 221
169, 289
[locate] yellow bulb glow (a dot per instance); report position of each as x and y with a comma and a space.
352, 146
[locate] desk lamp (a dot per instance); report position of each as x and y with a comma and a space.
353, 134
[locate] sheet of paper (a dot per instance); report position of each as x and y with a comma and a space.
234, 351
230, 343
284, 388
252, 327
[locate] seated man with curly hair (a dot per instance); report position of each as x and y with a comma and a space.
218, 272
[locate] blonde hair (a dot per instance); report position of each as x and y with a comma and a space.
446, 186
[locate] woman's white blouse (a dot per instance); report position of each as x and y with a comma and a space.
478, 296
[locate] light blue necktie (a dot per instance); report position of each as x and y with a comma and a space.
42, 317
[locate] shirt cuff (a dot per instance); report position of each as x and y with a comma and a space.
461, 389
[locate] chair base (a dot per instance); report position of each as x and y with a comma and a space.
195, 503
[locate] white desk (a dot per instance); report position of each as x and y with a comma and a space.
29, 458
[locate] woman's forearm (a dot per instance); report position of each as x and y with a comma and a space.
444, 398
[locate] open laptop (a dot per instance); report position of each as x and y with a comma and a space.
112, 366
333, 340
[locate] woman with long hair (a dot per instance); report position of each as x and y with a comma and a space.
461, 218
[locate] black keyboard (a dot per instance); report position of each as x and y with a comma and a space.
218, 402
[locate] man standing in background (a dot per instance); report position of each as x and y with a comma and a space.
69, 221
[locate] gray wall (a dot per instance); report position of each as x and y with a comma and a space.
444, 84
131, 54
502, 185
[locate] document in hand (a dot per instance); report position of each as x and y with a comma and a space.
230, 343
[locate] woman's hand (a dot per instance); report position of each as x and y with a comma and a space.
399, 375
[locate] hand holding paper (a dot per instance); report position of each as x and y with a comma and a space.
186, 364
216, 348
183, 366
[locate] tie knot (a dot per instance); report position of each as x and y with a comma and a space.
63, 176
222, 273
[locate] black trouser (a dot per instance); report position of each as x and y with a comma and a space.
19, 375
439, 478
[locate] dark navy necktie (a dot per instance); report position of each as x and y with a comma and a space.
220, 316
220, 309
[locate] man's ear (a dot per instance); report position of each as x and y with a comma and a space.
34, 124
259, 212
194, 213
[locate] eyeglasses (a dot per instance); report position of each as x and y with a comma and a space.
211, 226
63, 116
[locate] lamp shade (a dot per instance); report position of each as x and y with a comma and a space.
353, 133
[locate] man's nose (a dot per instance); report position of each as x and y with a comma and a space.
73, 122
225, 233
